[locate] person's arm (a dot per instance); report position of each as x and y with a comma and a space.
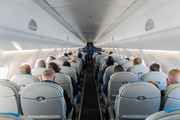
68, 102
100, 78
105, 87
75, 87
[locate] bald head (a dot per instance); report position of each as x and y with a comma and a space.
25, 69
173, 76
73, 57
41, 63
137, 61
49, 74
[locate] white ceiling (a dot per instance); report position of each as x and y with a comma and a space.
90, 20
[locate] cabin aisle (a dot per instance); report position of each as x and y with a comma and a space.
90, 107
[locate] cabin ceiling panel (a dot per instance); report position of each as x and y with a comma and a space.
84, 17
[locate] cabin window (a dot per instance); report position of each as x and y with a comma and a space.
25, 62
37, 62
143, 63
3, 71
48, 58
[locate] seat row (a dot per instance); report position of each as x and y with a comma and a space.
138, 100
37, 100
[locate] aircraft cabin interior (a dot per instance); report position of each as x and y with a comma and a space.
89, 59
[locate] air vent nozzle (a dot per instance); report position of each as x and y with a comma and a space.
32, 25
149, 25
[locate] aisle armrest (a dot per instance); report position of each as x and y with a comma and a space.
111, 114
69, 116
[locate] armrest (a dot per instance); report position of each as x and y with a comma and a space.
74, 100
69, 116
106, 100
111, 114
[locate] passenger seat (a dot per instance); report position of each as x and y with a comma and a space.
171, 97
10, 101
116, 81
157, 77
139, 70
23, 80
44, 100
136, 101
167, 114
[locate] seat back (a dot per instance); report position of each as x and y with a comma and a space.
43, 100
127, 65
101, 63
38, 71
65, 82
116, 81
75, 66
122, 61
109, 71
139, 70
23, 80
158, 77
9, 97
171, 97
13, 116
167, 114
69, 71
137, 101
59, 62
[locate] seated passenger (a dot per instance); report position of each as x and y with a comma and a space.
108, 63
62, 58
66, 56
173, 76
105, 86
38, 71
56, 68
49, 75
73, 57
69, 65
24, 77
137, 61
84, 63
154, 67
25, 69
51, 58
155, 84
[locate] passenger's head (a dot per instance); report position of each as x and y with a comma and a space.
173, 76
110, 57
52, 58
49, 74
54, 66
110, 62
155, 84
41, 63
131, 59
110, 52
65, 54
137, 61
79, 55
25, 69
118, 68
66, 64
154, 67
73, 57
